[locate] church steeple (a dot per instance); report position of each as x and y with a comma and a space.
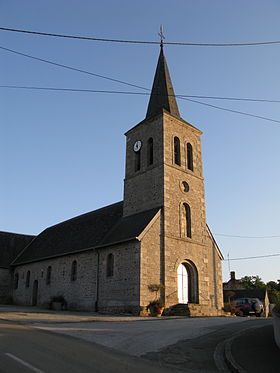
162, 95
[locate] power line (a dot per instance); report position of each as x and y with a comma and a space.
140, 41
236, 236
255, 257
70, 68
129, 84
137, 93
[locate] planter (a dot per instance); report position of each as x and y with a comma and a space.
276, 326
57, 306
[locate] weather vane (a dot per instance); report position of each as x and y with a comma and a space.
160, 34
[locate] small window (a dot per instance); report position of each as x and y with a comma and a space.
16, 281
49, 273
74, 271
187, 222
150, 157
137, 160
189, 156
110, 265
27, 281
177, 152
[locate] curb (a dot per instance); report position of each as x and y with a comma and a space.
229, 359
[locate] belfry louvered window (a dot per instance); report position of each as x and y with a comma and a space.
177, 151
189, 156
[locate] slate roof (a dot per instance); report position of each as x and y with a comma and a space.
11, 244
102, 227
162, 94
245, 293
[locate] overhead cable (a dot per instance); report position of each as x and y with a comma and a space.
137, 93
255, 257
141, 41
123, 82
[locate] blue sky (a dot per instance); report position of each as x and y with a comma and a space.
62, 153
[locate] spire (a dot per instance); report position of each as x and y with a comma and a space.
162, 95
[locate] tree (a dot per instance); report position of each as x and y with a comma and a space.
252, 282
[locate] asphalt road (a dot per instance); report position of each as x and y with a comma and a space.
25, 350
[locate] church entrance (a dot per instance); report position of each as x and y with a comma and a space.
35, 293
183, 296
187, 278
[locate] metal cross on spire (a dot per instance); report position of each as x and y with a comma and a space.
161, 35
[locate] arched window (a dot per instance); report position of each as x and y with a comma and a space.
177, 152
150, 157
110, 265
74, 271
189, 156
187, 220
16, 280
27, 281
49, 273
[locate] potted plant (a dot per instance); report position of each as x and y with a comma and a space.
156, 306
58, 303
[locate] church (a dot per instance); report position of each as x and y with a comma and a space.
111, 259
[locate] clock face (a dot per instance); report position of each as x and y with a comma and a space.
137, 146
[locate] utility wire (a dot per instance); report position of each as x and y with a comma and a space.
255, 257
141, 41
235, 236
138, 93
126, 83
71, 68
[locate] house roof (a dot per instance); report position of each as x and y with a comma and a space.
11, 244
162, 94
102, 227
245, 293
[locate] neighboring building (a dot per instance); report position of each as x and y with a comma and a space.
233, 283
107, 259
262, 294
234, 289
11, 244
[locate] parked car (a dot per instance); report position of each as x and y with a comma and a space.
247, 307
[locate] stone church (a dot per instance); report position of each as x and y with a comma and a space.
106, 260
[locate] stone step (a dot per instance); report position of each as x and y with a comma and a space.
192, 310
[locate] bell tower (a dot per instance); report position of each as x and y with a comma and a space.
164, 170
163, 163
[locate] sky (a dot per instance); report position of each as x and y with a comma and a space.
63, 153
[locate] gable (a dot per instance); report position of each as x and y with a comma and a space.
11, 244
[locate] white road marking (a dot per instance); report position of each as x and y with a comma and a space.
31, 367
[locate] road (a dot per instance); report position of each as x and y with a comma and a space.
24, 349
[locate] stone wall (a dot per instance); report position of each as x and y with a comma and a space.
143, 189
5, 286
79, 294
151, 248
119, 293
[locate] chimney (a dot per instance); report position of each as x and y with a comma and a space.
232, 275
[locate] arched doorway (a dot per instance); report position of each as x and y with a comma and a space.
187, 278
35, 293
